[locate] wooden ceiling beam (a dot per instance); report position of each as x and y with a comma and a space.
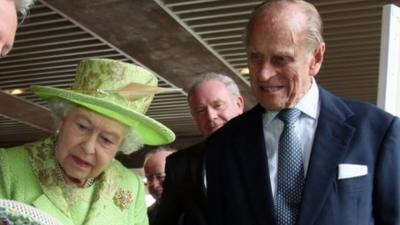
26, 112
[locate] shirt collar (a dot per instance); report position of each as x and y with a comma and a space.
308, 105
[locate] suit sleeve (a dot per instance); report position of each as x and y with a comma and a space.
170, 208
215, 181
387, 178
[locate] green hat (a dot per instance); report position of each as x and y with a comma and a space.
119, 90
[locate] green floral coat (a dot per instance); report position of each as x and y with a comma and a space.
28, 174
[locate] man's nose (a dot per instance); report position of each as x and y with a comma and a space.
212, 114
266, 71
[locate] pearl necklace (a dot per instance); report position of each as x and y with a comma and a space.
60, 176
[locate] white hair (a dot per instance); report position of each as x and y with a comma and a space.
314, 25
22, 6
229, 83
161, 148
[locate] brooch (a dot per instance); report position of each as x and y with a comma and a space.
123, 199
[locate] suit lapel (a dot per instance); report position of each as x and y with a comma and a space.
251, 154
330, 144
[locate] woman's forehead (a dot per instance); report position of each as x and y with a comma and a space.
105, 123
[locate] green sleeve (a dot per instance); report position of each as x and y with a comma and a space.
17, 180
4, 176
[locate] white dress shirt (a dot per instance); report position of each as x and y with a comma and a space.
306, 125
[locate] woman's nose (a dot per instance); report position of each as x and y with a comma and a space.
89, 145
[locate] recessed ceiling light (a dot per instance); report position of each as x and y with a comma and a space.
244, 71
16, 91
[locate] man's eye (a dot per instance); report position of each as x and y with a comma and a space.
199, 111
256, 58
218, 106
160, 177
280, 60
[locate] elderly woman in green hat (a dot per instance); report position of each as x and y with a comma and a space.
72, 175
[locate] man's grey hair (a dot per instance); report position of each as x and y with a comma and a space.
60, 109
314, 26
230, 85
23, 6
161, 148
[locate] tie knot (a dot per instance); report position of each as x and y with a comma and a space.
289, 116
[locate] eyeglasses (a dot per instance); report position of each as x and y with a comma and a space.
160, 177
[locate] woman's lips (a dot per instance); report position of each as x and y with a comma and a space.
81, 163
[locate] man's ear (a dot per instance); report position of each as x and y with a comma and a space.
318, 58
240, 102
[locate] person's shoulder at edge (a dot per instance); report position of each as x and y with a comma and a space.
18, 152
186, 153
239, 122
360, 109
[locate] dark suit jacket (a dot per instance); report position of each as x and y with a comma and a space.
239, 189
152, 212
183, 198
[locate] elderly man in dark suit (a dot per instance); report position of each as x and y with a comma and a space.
214, 99
302, 155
